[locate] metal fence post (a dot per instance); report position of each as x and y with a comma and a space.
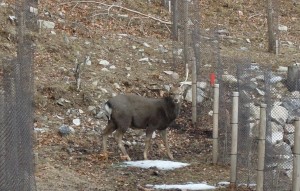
261, 148
296, 152
234, 126
216, 124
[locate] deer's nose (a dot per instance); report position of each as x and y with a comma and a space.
176, 100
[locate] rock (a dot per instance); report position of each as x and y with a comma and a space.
254, 111
284, 149
112, 67
202, 85
229, 78
3, 4
146, 44
104, 62
104, 70
276, 127
144, 60
175, 76
95, 83
289, 139
127, 143
178, 52
46, 24
292, 105
41, 130
282, 28
295, 94
12, 18
276, 79
279, 114
76, 122
103, 90
282, 69
162, 49
260, 92
276, 137
91, 108
223, 32
88, 61
62, 101
289, 128
200, 95
117, 86
168, 72
66, 130
128, 68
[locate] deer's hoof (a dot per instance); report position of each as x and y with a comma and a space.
104, 156
126, 157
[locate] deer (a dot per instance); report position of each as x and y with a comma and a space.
126, 111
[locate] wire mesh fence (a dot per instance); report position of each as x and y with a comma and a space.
256, 85
16, 100
194, 46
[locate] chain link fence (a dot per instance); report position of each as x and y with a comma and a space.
258, 85
194, 46
16, 100
255, 84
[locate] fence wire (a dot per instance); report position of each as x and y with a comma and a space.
16, 103
194, 46
256, 85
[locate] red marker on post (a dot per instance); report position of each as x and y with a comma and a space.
212, 79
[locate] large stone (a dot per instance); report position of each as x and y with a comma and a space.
46, 24
279, 114
66, 130
200, 95
254, 111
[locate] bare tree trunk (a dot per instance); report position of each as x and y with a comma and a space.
185, 35
175, 19
271, 28
194, 93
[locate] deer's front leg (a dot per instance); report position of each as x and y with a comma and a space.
107, 131
147, 144
163, 134
118, 137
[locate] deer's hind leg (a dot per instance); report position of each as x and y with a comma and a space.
111, 127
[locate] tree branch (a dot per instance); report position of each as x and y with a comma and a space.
120, 7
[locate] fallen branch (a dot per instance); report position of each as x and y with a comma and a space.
120, 7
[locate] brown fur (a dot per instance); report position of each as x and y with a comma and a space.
137, 112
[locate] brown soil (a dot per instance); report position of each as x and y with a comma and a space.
74, 162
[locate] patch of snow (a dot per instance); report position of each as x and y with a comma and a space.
160, 164
223, 184
189, 186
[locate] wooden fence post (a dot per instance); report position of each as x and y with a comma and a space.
296, 152
261, 148
234, 140
216, 124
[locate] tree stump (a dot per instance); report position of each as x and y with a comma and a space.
293, 78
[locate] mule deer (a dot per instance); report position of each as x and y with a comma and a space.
137, 112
